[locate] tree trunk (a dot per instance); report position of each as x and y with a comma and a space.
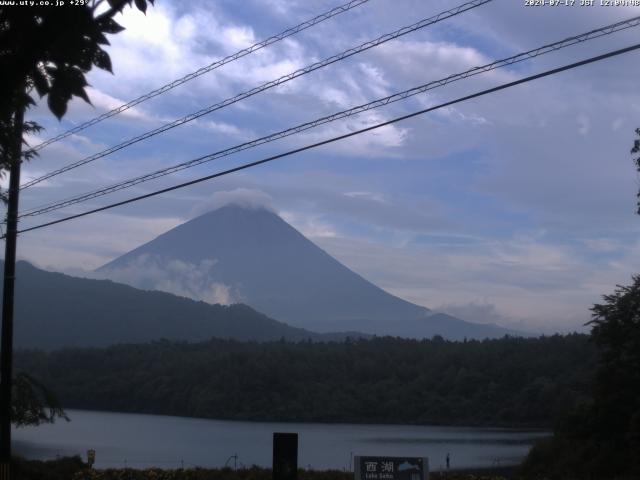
6, 342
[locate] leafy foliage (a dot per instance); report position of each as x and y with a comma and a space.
33, 403
635, 150
49, 49
253, 473
511, 381
6, 129
64, 468
602, 436
616, 331
72, 468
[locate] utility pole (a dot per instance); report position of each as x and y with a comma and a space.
6, 342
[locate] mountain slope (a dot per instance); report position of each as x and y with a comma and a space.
55, 310
253, 256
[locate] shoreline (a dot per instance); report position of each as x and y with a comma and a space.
525, 428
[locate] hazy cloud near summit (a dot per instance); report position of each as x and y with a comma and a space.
243, 197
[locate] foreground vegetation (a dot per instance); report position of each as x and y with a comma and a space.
253, 473
508, 382
74, 469
600, 438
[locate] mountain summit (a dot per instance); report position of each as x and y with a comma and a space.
250, 255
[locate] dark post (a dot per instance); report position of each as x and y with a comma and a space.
6, 343
285, 456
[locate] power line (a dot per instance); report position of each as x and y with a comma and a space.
239, 54
340, 137
265, 86
607, 30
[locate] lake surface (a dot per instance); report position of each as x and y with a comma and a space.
150, 440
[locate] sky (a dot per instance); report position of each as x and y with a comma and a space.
516, 208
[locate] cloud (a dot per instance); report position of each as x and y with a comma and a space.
243, 197
603, 244
410, 59
528, 283
311, 226
224, 128
90, 242
475, 312
152, 272
483, 312
106, 102
376, 197
382, 142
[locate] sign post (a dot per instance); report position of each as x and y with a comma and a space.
91, 457
391, 468
285, 456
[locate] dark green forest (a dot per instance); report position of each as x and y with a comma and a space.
504, 382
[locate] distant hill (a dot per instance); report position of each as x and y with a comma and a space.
55, 310
253, 256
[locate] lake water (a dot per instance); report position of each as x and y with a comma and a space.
150, 440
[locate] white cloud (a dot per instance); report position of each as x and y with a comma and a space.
237, 37
90, 242
224, 128
438, 59
152, 272
529, 284
381, 142
243, 197
606, 245
106, 102
311, 226
376, 197
480, 312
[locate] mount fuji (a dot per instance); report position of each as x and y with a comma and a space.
250, 255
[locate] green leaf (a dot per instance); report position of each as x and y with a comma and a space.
109, 25
33, 403
101, 60
57, 104
142, 5
118, 5
27, 100
101, 39
40, 82
83, 95
72, 82
85, 59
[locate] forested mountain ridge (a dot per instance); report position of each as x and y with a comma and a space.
54, 310
504, 382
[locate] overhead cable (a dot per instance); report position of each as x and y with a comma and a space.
606, 30
218, 63
338, 138
265, 86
